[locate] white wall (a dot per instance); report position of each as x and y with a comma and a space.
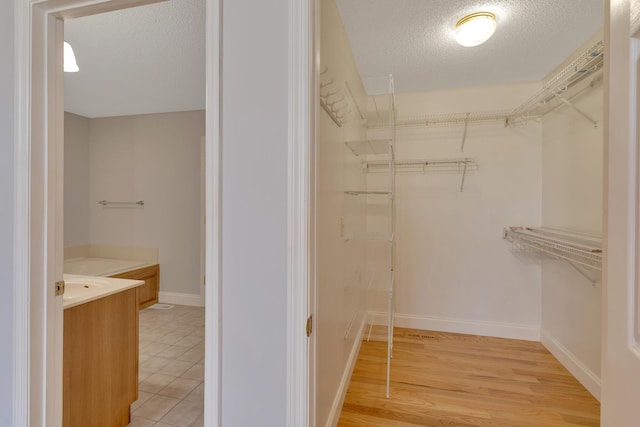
340, 301
76, 180
6, 209
155, 158
254, 212
572, 198
454, 270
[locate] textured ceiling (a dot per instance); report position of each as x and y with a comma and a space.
414, 40
148, 59
151, 59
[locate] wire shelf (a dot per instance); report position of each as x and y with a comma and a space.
585, 65
582, 249
450, 119
554, 92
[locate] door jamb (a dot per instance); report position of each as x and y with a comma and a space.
300, 349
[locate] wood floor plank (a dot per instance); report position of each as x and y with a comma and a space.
441, 379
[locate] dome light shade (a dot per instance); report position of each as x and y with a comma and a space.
475, 29
70, 65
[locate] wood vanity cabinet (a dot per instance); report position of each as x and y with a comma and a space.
100, 361
147, 293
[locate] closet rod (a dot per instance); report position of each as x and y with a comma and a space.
106, 202
422, 163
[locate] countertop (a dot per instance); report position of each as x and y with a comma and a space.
82, 289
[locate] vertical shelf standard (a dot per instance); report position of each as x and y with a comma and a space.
377, 226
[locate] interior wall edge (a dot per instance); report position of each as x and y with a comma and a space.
471, 327
579, 370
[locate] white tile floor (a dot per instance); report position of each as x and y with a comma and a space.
171, 374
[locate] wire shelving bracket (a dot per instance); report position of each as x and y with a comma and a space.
333, 99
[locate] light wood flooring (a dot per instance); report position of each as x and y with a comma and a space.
446, 380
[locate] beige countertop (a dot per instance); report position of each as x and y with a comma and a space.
82, 289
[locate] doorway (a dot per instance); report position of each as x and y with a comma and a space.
442, 279
39, 186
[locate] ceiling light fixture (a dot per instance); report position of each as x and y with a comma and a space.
475, 29
70, 65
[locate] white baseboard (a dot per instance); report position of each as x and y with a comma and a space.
180, 299
460, 326
587, 378
338, 401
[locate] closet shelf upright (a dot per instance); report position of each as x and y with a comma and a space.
376, 227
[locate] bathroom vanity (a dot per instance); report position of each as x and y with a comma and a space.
121, 268
100, 356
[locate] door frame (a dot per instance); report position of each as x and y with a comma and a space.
38, 187
300, 382
621, 266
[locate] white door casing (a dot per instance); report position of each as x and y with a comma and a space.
621, 289
300, 348
38, 234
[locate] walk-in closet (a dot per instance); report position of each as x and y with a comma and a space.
462, 213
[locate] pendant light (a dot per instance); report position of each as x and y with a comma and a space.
70, 65
475, 29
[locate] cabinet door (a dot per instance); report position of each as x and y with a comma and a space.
100, 364
147, 293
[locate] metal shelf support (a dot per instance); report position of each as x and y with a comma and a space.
576, 109
464, 135
582, 272
464, 174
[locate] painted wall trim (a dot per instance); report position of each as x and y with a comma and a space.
21, 194
463, 326
300, 140
336, 408
213, 218
578, 369
181, 299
